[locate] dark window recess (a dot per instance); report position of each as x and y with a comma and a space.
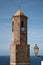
12, 26
22, 24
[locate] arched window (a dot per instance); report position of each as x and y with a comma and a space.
12, 26
21, 23
22, 26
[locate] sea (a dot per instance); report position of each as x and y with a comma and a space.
5, 60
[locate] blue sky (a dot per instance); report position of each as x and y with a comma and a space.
33, 9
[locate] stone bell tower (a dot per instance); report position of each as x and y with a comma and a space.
19, 49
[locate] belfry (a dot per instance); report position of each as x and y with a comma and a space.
19, 49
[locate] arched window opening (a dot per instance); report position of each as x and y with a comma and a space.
22, 24
12, 26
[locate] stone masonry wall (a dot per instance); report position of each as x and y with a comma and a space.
22, 55
13, 54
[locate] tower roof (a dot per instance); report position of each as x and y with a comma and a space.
19, 13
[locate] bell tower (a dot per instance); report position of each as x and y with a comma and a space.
19, 49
